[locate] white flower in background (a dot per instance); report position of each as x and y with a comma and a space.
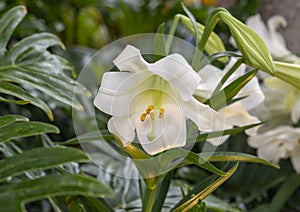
279, 143
290, 94
273, 39
153, 99
236, 113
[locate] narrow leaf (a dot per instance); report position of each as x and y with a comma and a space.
195, 198
39, 158
25, 129
8, 24
8, 119
13, 196
11, 89
234, 157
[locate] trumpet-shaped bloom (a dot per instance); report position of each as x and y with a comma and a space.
281, 142
153, 100
236, 113
290, 95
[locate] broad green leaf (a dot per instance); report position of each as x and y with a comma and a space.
193, 198
39, 158
8, 24
9, 119
25, 129
234, 156
13, 196
13, 90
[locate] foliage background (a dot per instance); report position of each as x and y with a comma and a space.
84, 27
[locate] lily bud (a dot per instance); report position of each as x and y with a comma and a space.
252, 46
288, 72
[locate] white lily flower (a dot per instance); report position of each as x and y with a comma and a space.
153, 99
237, 113
281, 142
273, 39
290, 94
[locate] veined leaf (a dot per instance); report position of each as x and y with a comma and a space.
39, 158
8, 24
29, 63
13, 90
25, 129
13, 196
9, 119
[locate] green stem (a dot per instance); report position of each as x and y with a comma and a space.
149, 199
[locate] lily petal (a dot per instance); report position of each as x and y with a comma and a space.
170, 132
131, 60
295, 114
118, 89
178, 73
295, 158
203, 116
122, 128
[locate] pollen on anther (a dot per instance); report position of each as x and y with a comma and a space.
148, 110
161, 113
143, 116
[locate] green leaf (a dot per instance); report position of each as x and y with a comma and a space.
13, 196
8, 24
39, 158
204, 136
93, 204
193, 198
230, 91
13, 90
18, 102
234, 156
25, 129
29, 63
169, 161
284, 192
9, 119
215, 204
214, 43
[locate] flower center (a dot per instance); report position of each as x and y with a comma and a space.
156, 118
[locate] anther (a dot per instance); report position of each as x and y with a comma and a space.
143, 116
161, 113
148, 110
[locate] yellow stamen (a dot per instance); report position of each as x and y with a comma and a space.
143, 116
148, 110
161, 113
